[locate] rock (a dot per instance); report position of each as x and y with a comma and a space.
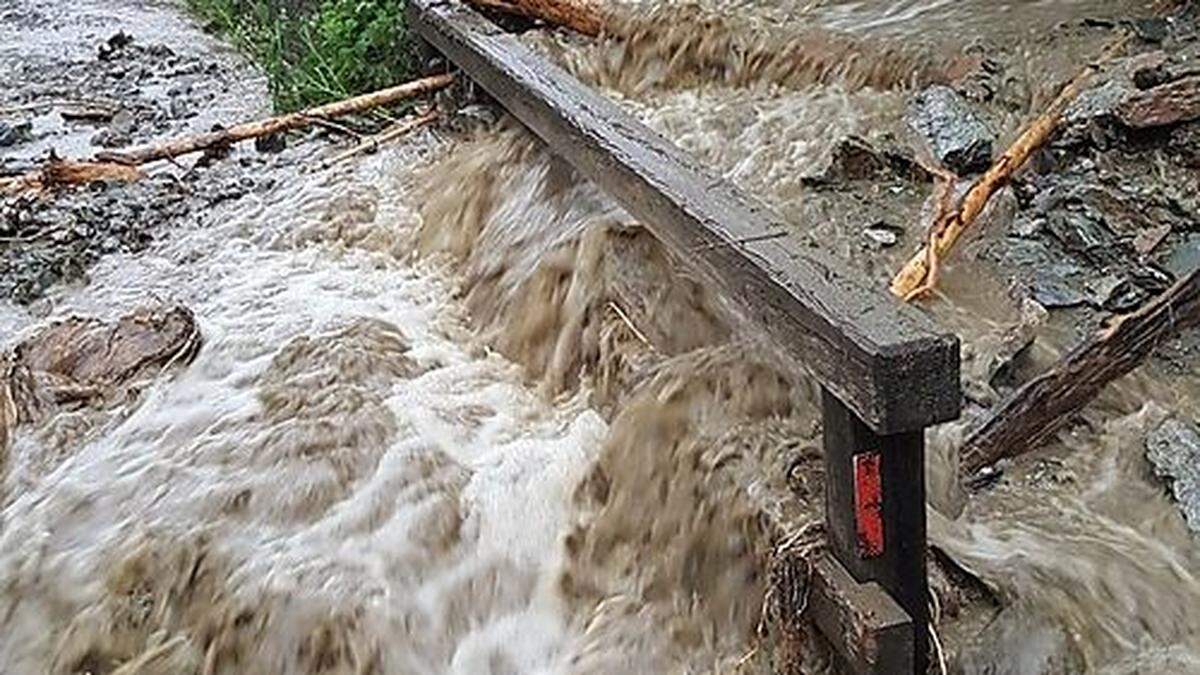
854, 159
1174, 450
1083, 233
110, 138
118, 41
271, 143
12, 134
954, 132
1118, 294
82, 361
1148, 239
883, 234
1051, 288
1185, 257
1165, 104
1149, 70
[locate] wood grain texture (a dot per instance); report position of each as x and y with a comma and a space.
884, 361
1037, 410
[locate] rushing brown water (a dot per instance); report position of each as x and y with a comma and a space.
457, 412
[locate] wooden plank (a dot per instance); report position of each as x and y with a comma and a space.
875, 512
869, 632
884, 361
1035, 411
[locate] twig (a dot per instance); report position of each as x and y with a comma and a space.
372, 144
334, 126
625, 318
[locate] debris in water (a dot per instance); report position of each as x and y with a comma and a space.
854, 158
1174, 450
83, 361
884, 234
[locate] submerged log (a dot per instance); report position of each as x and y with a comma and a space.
1041, 407
241, 132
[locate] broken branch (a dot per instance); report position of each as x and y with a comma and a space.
274, 125
372, 144
917, 276
1038, 409
61, 172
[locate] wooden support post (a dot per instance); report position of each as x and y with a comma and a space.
875, 513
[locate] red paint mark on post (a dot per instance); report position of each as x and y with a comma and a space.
868, 504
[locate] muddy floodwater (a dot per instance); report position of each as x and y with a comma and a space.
450, 409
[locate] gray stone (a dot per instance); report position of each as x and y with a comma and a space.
1051, 288
1174, 449
12, 134
958, 137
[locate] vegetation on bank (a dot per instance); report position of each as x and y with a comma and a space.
315, 51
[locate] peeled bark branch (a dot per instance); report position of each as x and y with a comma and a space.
241, 132
1041, 407
919, 274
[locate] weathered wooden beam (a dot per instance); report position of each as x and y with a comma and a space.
875, 513
885, 362
870, 633
1035, 411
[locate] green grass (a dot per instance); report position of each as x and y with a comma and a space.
315, 51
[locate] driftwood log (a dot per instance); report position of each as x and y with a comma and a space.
241, 132
61, 172
582, 16
1031, 415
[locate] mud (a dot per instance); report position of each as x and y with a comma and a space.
120, 77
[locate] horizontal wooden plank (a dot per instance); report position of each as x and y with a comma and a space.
883, 360
866, 627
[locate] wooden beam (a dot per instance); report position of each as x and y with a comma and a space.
870, 633
875, 514
1034, 412
885, 362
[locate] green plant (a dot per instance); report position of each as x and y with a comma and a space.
314, 52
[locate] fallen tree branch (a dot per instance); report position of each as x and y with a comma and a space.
1031, 415
373, 143
241, 132
62, 172
919, 275
582, 16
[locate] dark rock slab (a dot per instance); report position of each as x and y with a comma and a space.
1054, 288
854, 159
12, 134
958, 137
1174, 449
1170, 103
